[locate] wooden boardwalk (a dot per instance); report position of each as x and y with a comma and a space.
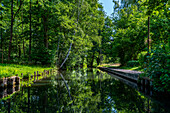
127, 74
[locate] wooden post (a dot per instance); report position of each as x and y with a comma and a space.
9, 105
143, 85
17, 80
1, 93
17, 88
22, 78
37, 75
31, 77
2, 82
147, 86
10, 81
34, 76
22, 75
44, 74
151, 88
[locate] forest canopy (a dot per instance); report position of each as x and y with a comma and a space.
78, 33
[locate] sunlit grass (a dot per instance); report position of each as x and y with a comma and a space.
110, 65
8, 70
117, 65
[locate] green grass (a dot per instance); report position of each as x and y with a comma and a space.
8, 70
132, 68
136, 68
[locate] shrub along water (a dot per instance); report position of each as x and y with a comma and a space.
157, 68
8, 70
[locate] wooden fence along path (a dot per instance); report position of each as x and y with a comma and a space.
10, 85
144, 83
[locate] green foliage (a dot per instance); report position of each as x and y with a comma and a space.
133, 63
43, 56
158, 68
130, 33
142, 58
55, 25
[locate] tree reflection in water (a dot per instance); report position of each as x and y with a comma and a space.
91, 91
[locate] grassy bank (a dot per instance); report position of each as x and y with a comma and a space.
135, 68
7, 70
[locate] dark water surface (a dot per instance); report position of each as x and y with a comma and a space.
83, 91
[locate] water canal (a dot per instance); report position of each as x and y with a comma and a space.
81, 91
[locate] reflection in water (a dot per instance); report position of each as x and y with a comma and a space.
91, 91
4, 92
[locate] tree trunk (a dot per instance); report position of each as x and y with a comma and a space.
30, 35
10, 43
98, 59
1, 34
45, 33
81, 65
91, 64
148, 33
58, 47
45, 22
78, 13
22, 33
67, 54
19, 50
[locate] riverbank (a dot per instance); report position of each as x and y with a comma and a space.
127, 74
117, 66
8, 70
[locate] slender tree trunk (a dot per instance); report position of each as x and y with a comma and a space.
19, 50
45, 22
148, 33
57, 50
98, 59
91, 64
78, 13
101, 56
10, 43
16, 39
22, 32
82, 62
67, 55
30, 35
45, 32
1, 34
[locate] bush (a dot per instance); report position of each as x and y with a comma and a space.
133, 63
43, 56
142, 59
157, 68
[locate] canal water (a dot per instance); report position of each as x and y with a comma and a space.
82, 91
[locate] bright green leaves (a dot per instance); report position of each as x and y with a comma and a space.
157, 68
130, 33
155, 5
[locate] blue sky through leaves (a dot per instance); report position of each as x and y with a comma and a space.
108, 6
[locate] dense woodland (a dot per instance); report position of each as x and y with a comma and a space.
77, 33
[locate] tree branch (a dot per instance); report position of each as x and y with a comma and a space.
18, 9
67, 54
